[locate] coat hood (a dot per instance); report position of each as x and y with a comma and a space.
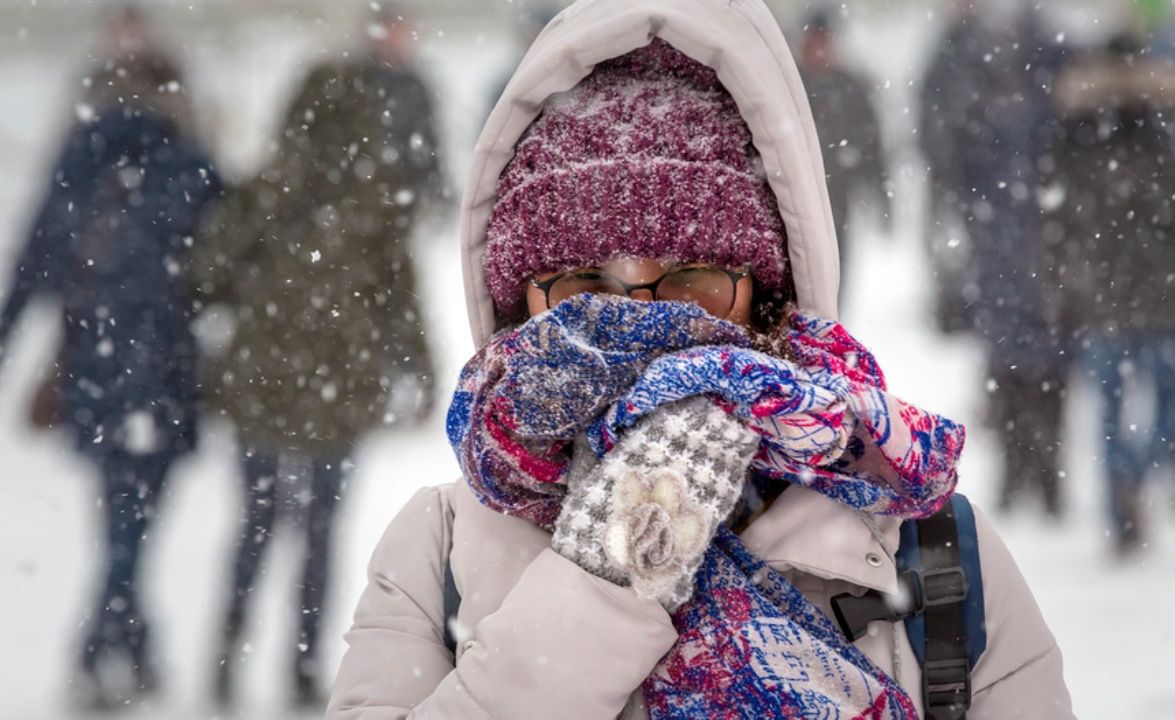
741, 41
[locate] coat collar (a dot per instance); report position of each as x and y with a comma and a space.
814, 534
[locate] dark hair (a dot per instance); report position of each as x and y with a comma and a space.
770, 312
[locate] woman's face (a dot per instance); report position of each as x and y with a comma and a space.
638, 271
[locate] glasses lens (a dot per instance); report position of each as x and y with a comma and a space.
578, 282
708, 287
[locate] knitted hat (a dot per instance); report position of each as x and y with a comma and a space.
647, 157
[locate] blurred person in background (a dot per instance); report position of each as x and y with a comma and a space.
314, 258
945, 96
987, 123
1114, 225
850, 133
110, 243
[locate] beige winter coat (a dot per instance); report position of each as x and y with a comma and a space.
548, 640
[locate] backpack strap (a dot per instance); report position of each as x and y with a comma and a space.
940, 555
941, 603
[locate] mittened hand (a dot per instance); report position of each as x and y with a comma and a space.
646, 514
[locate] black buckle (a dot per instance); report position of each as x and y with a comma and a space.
854, 613
946, 688
943, 587
918, 590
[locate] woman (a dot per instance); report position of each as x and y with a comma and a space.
610, 556
125, 380
314, 258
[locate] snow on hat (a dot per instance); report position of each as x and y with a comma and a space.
647, 157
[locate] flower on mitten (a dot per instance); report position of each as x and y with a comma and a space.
654, 530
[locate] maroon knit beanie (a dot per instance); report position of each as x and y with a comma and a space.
647, 157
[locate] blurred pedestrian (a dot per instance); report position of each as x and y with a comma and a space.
110, 243
945, 97
315, 258
1115, 228
850, 133
989, 138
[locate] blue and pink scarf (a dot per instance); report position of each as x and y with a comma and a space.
747, 648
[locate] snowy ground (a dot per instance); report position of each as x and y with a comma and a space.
1112, 621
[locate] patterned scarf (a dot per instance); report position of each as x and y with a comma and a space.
597, 364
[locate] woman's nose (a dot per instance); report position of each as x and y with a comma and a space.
643, 294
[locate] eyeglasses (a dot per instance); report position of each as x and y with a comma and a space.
713, 288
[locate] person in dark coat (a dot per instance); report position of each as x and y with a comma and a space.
110, 242
1115, 230
314, 259
945, 98
850, 133
988, 135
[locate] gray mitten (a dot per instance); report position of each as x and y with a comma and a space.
645, 514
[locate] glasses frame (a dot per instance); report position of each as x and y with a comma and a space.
629, 288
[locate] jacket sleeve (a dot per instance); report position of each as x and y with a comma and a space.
557, 626
25, 283
44, 261
1019, 675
